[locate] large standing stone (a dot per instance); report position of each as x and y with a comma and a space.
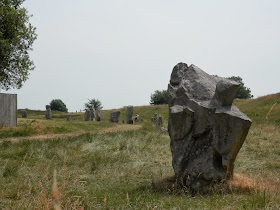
98, 114
48, 114
129, 114
87, 115
114, 116
206, 130
8, 109
91, 114
23, 113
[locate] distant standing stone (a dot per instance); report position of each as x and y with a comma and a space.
87, 115
155, 118
68, 117
152, 119
160, 120
98, 114
48, 113
91, 114
23, 113
114, 116
129, 114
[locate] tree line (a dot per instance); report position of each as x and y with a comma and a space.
59, 105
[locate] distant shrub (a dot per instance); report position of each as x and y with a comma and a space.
159, 97
93, 104
57, 104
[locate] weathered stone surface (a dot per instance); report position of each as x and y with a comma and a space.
23, 113
160, 120
98, 114
226, 91
92, 114
206, 130
87, 115
114, 116
8, 109
48, 114
68, 117
129, 114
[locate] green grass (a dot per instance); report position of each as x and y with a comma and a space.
132, 169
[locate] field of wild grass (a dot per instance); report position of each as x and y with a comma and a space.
100, 165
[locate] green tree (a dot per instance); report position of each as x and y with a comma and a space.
16, 38
159, 97
243, 92
93, 104
57, 104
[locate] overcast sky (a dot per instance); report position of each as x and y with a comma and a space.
121, 51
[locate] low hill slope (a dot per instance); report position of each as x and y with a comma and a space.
260, 108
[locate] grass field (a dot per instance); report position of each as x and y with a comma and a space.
100, 165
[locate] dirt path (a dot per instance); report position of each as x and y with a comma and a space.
115, 129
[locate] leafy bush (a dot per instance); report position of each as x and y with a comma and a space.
93, 104
159, 97
57, 104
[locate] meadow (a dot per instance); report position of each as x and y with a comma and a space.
103, 165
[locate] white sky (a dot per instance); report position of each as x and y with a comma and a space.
121, 51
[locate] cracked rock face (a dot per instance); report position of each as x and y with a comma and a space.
206, 130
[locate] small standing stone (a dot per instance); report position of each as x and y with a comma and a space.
160, 120
98, 114
152, 119
23, 113
68, 117
155, 118
129, 113
87, 115
48, 114
91, 114
114, 116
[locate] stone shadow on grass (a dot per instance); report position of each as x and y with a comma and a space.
239, 185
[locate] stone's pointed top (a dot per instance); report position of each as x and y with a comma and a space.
177, 73
181, 65
226, 91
